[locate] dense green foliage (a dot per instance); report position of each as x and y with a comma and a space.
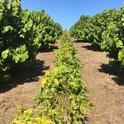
81, 29
30, 116
105, 29
22, 35
62, 97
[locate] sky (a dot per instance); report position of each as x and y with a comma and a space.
67, 12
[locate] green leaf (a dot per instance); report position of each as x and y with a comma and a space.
16, 58
120, 55
24, 56
119, 44
5, 54
7, 28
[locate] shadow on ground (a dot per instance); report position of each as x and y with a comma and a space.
118, 74
80, 41
92, 47
29, 75
49, 50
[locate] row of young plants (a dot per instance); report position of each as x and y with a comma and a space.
22, 35
62, 97
105, 30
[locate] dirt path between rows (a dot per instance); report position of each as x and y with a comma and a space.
24, 87
106, 86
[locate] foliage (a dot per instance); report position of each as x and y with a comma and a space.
106, 30
81, 29
62, 96
113, 38
22, 35
45, 30
26, 116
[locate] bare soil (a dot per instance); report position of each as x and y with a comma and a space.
24, 86
105, 84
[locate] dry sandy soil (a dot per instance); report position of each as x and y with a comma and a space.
104, 83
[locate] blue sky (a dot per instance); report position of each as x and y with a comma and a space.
67, 12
